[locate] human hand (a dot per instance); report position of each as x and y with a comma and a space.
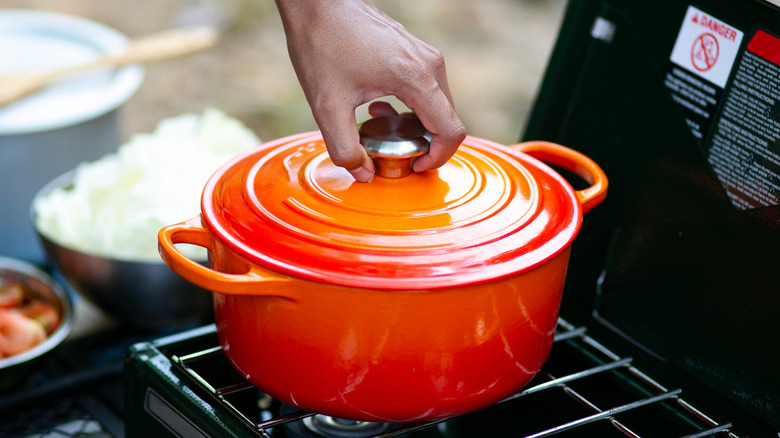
347, 53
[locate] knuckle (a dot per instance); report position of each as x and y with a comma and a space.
455, 130
412, 70
458, 132
435, 59
453, 133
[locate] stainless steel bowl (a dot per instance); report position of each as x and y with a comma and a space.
41, 286
141, 294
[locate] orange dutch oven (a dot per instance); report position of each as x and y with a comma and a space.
398, 300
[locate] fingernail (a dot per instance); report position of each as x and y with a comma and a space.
362, 174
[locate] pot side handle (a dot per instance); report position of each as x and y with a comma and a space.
252, 282
573, 161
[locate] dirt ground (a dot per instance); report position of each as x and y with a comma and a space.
496, 52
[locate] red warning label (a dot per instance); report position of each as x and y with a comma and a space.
765, 46
706, 46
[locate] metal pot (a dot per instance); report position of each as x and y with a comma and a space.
52, 131
145, 295
41, 286
397, 300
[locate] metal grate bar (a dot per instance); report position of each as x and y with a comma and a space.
233, 388
712, 431
573, 333
198, 379
626, 431
200, 354
409, 429
184, 363
284, 419
571, 377
605, 414
703, 417
617, 424
237, 412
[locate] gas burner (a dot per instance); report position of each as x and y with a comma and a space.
323, 426
327, 427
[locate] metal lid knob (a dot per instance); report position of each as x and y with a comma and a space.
394, 143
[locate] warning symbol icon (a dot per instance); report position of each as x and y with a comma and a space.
704, 52
707, 47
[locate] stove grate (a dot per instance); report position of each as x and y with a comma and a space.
584, 386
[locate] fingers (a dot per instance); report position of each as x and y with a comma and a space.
448, 133
381, 109
440, 152
339, 130
439, 118
384, 109
428, 95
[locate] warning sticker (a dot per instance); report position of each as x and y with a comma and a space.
706, 46
700, 64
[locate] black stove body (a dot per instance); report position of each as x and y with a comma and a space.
669, 317
679, 102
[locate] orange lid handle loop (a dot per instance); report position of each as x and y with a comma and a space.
573, 161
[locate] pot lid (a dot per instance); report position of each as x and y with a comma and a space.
489, 213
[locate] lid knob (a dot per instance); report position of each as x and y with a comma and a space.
394, 143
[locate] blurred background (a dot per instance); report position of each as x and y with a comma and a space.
496, 52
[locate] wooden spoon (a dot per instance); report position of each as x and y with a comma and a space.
164, 45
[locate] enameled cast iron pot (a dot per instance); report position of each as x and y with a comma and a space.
396, 300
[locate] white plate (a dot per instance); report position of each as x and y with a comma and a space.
36, 41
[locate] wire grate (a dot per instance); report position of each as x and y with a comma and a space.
589, 386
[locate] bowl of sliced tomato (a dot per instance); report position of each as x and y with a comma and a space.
36, 315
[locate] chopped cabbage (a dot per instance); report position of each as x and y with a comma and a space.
119, 202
